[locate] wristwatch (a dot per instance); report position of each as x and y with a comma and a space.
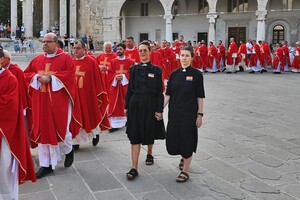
201, 114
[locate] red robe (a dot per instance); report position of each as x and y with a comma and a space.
176, 61
200, 58
286, 54
156, 59
255, 55
90, 91
265, 55
133, 54
12, 127
242, 54
296, 61
279, 57
170, 57
19, 74
118, 92
211, 55
222, 53
49, 108
232, 49
105, 59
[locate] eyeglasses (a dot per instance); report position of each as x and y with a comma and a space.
48, 41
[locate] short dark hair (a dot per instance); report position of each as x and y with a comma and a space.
190, 49
130, 38
1, 53
145, 42
121, 45
82, 43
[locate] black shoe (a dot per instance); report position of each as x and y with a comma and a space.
43, 171
223, 70
264, 70
261, 71
96, 140
235, 72
113, 130
276, 72
76, 147
69, 159
228, 72
252, 72
241, 68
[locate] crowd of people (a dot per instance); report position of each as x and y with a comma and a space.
67, 102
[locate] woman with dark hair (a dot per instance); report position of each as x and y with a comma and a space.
185, 93
144, 107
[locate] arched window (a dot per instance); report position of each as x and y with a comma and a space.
287, 4
278, 34
202, 6
237, 6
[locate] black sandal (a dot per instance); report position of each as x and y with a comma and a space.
149, 160
181, 163
183, 177
132, 174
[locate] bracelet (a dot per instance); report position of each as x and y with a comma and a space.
200, 114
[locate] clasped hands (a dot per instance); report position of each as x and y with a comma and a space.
158, 116
119, 77
44, 79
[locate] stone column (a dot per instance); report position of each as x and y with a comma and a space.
23, 12
169, 27
73, 17
62, 17
212, 29
29, 19
13, 15
46, 15
261, 24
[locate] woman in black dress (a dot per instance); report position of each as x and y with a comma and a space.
144, 107
185, 93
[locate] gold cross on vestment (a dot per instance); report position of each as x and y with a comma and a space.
78, 72
121, 70
45, 72
129, 56
79, 76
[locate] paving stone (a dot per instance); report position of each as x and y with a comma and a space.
84, 154
276, 142
39, 186
45, 195
256, 186
188, 190
142, 183
236, 147
266, 160
280, 153
295, 150
295, 141
161, 195
264, 172
70, 187
223, 170
96, 176
118, 194
294, 190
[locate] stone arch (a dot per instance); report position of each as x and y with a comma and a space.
285, 24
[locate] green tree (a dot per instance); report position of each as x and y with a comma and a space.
5, 11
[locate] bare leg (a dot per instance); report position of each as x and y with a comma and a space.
149, 149
135, 152
187, 164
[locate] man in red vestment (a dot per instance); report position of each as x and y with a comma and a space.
104, 61
91, 95
55, 111
16, 164
296, 61
222, 54
170, 57
278, 61
255, 59
200, 58
213, 61
231, 64
286, 54
266, 59
176, 62
242, 58
180, 44
132, 51
119, 76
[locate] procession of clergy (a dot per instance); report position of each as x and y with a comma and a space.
68, 101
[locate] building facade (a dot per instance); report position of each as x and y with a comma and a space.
211, 20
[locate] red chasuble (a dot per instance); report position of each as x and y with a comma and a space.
286, 54
211, 55
19, 74
12, 127
200, 58
255, 56
118, 92
242, 52
50, 108
133, 54
279, 57
265, 54
170, 58
222, 52
296, 61
90, 91
105, 59
232, 49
